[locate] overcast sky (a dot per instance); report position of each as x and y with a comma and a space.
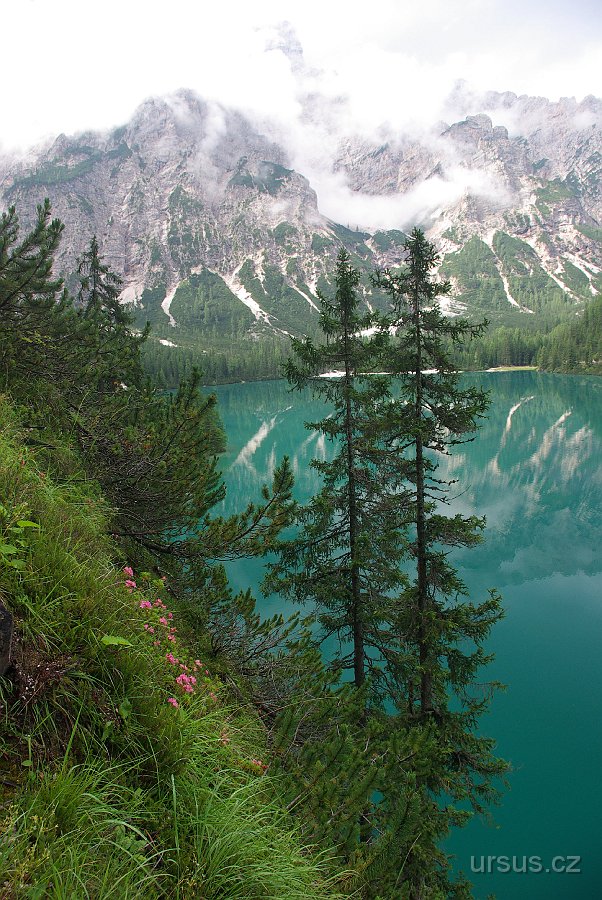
69, 65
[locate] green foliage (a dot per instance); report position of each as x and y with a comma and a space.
476, 271
576, 280
289, 309
474, 267
149, 308
203, 302
222, 362
530, 286
590, 231
99, 290
184, 242
496, 347
107, 789
13, 536
54, 173
121, 151
269, 179
385, 240
412, 643
335, 561
351, 240
321, 244
556, 190
575, 347
442, 631
283, 233
110, 777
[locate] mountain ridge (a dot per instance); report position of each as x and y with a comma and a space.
208, 222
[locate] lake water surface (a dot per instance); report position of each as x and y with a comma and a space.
535, 471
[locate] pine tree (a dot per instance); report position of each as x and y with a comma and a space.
35, 330
441, 628
100, 287
413, 643
347, 561
347, 557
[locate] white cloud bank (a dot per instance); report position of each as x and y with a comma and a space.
71, 66
374, 69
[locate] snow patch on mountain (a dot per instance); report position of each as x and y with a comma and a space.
305, 296
167, 303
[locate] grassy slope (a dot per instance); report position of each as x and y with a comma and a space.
106, 788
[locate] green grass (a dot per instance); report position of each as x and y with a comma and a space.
107, 790
557, 190
590, 231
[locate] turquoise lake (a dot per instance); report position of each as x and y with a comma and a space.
535, 471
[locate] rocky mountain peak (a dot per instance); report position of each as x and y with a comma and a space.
191, 199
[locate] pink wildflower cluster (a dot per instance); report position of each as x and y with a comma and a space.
162, 629
186, 682
129, 578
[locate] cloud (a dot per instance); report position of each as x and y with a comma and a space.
84, 66
421, 204
306, 72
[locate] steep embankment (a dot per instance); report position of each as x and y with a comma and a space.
126, 767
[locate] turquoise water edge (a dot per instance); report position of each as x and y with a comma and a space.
535, 471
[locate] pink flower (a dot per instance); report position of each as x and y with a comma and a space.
163, 620
170, 637
173, 702
127, 570
145, 604
130, 585
171, 658
159, 603
170, 615
156, 643
185, 683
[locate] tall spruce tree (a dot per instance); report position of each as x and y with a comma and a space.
35, 321
412, 642
346, 559
443, 631
99, 287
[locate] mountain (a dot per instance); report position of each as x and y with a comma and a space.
218, 236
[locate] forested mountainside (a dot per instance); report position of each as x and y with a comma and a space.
217, 236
